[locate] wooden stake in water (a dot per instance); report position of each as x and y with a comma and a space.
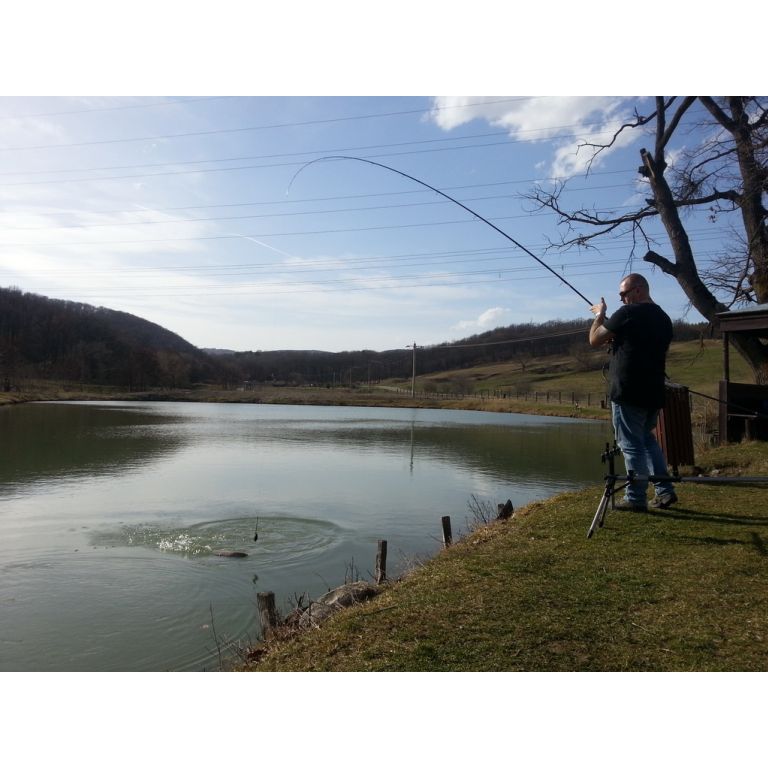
381, 562
267, 613
447, 535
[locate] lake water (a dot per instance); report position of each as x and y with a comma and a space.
111, 514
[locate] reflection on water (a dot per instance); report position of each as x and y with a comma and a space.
112, 514
41, 441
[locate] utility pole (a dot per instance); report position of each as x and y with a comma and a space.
413, 375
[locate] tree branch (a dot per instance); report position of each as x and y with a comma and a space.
665, 265
681, 110
638, 122
718, 113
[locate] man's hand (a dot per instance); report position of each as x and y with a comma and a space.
599, 335
600, 309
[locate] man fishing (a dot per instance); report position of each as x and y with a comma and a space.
640, 333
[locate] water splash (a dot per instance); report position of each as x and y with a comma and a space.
280, 539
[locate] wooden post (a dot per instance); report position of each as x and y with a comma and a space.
447, 536
505, 510
267, 613
381, 561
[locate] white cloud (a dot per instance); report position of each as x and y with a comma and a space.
491, 318
574, 118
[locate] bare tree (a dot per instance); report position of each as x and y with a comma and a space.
725, 173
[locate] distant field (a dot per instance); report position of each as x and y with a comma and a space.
696, 365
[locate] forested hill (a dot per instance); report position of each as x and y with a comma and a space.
54, 339
51, 339
517, 343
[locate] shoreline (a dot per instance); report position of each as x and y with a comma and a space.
320, 397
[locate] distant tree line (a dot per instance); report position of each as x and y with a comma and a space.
519, 343
51, 339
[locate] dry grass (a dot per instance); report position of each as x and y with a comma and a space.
680, 589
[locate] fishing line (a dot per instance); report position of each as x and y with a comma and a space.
493, 226
447, 197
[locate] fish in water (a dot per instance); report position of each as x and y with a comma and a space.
230, 553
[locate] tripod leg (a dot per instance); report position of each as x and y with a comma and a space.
599, 517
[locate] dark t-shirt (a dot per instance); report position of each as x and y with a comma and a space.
642, 333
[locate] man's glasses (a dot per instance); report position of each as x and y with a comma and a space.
622, 294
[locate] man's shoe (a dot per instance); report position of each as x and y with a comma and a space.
664, 500
631, 506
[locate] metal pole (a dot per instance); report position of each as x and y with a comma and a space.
413, 376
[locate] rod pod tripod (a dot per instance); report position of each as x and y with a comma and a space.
609, 455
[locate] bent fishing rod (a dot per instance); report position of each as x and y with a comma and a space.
473, 213
447, 197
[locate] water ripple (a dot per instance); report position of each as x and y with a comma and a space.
282, 540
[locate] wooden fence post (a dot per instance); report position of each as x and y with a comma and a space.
505, 511
447, 536
267, 613
381, 561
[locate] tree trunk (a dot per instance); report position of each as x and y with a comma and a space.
684, 267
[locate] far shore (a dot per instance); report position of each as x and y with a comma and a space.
373, 397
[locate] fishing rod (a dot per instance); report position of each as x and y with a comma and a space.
447, 197
747, 411
483, 219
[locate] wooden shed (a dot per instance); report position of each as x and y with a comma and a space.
743, 407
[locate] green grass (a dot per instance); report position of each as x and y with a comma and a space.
679, 589
696, 365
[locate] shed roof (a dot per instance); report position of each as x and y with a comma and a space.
754, 318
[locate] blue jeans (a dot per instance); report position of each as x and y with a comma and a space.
633, 428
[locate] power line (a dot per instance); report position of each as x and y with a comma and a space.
355, 280
189, 220
333, 150
322, 265
579, 332
263, 127
170, 102
253, 157
328, 197
359, 265
291, 290
188, 171
246, 235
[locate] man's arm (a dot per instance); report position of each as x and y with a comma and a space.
599, 335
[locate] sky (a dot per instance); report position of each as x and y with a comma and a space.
218, 217
186, 182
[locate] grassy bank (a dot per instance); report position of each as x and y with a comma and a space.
678, 589
376, 397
